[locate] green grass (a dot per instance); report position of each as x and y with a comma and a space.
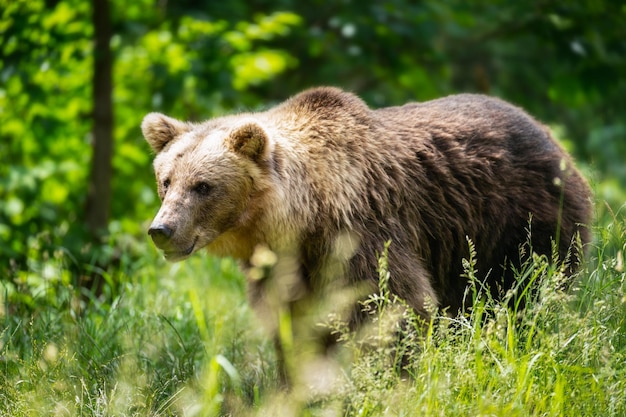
181, 340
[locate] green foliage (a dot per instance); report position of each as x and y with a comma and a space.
44, 100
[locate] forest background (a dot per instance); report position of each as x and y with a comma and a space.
77, 77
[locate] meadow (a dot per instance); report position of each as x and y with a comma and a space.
159, 339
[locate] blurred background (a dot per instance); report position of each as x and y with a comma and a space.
77, 77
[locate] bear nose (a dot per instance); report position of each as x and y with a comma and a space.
160, 233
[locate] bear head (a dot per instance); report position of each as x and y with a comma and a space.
207, 176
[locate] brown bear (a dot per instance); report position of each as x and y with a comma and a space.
320, 182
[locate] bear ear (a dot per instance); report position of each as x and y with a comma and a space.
249, 140
159, 130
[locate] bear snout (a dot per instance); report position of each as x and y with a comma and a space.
160, 234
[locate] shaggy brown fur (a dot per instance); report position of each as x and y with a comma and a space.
323, 182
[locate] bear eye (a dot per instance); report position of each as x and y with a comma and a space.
202, 188
166, 184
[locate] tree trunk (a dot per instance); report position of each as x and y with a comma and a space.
99, 193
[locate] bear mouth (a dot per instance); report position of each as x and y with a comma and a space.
178, 255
